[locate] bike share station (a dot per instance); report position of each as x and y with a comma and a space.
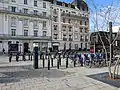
49, 59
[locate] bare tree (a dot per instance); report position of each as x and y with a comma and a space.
100, 19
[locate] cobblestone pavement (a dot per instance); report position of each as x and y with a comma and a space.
22, 76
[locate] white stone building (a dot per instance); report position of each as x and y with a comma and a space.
25, 22
70, 25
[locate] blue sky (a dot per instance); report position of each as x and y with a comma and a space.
97, 2
100, 5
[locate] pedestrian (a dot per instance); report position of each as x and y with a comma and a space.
3, 51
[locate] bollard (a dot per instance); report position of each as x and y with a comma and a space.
17, 57
74, 62
10, 57
58, 63
31, 57
43, 61
48, 63
60, 59
35, 57
67, 62
52, 61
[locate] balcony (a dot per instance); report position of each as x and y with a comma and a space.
84, 16
64, 39
70, 39
22, 37
20, 12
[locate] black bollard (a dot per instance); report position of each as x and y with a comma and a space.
35, 57
60, 59
17, 57
67, 62
48, 62
10, 57
52, 60
58, 63
74, 62
43, 61
31, 57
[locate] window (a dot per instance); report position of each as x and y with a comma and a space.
25, 1
44, 23
35, 24
63, 12
35, 3
44, 13
76, 36
55, 12
70, 29
81, 45
13, 9
13, 21
35, 33
55, 27
85, 23
81, 38
85, 30
13, 32
25, 32
63, 20
44, 33
25, 22
69, 14
69, 21
86, 38
81, 29
35, 12
70, 37
55, 36
55, 19
44, 5
80, 22
25, 10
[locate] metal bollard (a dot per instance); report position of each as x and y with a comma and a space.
48, 63
35, 57
74, 62
58, 63
52, 62
10, 57
60, 60
31, 57
67, 62
43, 61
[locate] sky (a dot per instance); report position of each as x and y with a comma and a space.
101, 9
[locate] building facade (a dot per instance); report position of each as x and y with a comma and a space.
25, 22
70, 25
47, 23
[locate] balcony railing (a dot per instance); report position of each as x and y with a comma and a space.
75, 16
22, 37
64, 39
70, 39
20, 12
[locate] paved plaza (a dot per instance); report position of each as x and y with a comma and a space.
21, 76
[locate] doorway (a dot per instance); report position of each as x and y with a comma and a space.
26, 47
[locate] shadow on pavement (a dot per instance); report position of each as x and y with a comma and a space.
24, 72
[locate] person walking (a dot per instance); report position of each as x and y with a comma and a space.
3, 51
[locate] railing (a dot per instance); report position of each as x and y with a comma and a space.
22, 37
70, 39
64, 39
20, 12
83, 14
